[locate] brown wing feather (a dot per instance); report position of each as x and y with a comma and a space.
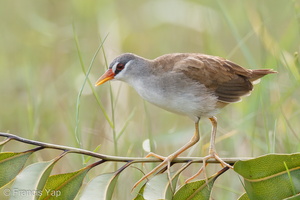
228, 80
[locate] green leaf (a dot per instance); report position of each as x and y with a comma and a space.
197, 190
64, 186
101, 187
30, 182
296, 197
244, 197
11, 164
273, 176
140, 193
159, 187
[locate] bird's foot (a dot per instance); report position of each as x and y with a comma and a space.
155, 155
166, 162
214, 155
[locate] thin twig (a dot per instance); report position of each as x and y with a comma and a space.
115, 158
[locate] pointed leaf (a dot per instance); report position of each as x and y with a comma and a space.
244, 197
159, 187
64, 186
165, 192
101, 187
274, 176
197, 190
140, 193
11, 164
30, 182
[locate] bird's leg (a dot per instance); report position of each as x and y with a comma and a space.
167, 161
211, 152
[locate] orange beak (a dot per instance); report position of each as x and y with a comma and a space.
108, 75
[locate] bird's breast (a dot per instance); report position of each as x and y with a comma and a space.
177, 94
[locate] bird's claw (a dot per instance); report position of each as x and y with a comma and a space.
203, 168
155, 155
166, 162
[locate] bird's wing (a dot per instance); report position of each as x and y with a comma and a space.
229, 81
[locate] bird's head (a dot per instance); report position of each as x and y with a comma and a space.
123, 68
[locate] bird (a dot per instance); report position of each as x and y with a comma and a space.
191, 84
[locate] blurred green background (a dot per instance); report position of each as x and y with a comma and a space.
41, 77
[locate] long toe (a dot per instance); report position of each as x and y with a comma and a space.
205, 159
166, 163
222, 162
202, 169
155, 155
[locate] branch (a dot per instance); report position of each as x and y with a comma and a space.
112, 158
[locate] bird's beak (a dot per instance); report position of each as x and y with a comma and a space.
108, 75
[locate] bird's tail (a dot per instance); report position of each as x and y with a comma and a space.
258, 73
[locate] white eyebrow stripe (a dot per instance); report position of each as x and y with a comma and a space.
114, 66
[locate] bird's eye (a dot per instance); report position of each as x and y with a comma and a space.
120, 66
